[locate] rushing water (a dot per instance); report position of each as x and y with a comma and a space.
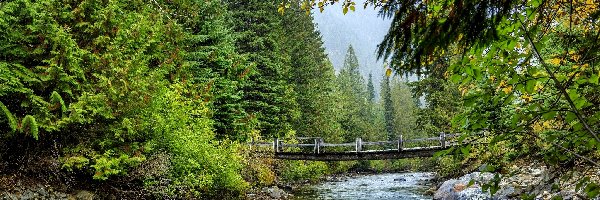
378, 186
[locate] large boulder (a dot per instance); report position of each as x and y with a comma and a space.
458, 189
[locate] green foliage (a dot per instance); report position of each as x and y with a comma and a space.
201, 165
75, 163
388, 106
108, 164
304, 170
405, 109
57, 102
214, 65
357, 116
443, 103
371, 88
267, 94
105, 68
313, 78
29, 125
10, 119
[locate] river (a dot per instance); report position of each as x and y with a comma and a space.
377, 186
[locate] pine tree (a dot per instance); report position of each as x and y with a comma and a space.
405, 109
355, 112
371, 89
388, 107
267, 93
216, 69
312, 76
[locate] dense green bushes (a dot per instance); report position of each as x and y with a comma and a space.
107, 83
199, 163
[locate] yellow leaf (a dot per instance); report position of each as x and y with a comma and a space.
527, 98
538, 87
502, 83
555, 61
507, 89
388, 72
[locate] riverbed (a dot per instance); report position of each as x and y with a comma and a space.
376, 186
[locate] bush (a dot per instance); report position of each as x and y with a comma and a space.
199, 165
298, 170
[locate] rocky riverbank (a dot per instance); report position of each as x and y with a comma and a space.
526, 180
22, 190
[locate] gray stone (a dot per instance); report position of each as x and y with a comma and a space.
84, 195
28, 194
10, 196
42, 192
505, 192
275, 192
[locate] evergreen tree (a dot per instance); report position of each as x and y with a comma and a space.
312, 76
405, 109
388, 106
356, 117
267, 94
371, 89
217, 71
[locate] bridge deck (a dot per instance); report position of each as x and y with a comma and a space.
363, 155
319, 149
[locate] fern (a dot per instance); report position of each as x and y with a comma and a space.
29, 121
12, 122
55, 98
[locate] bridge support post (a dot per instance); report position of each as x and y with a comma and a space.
400, 143
358, 145
443, 139
317, 149
276, 145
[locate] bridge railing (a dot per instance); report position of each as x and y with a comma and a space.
318, 145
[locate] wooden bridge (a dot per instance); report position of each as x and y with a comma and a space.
317, 149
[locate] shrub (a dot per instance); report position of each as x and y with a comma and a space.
199, 164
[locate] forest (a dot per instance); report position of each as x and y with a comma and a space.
159, 99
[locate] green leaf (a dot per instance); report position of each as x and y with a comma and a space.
345, 10
530, 86
29, 122
549, 115
535, 3
455, 78
12, 122
594, 79
579, 103
573, 94
466, 150
570, 117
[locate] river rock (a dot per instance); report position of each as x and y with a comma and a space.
42, 191
459, 189
399, 179
533, 179
275, 192
84, 195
